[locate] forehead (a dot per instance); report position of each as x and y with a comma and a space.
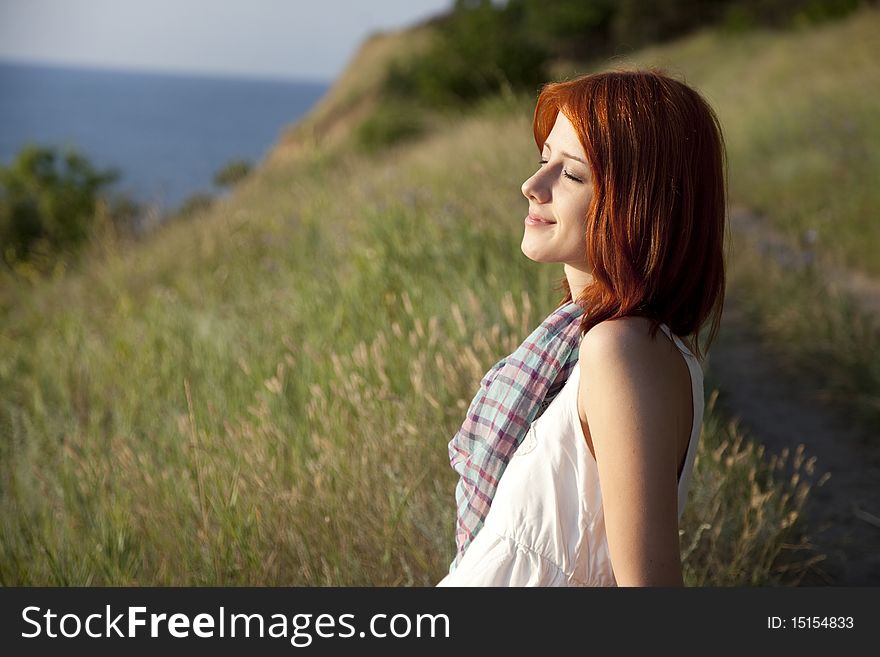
563, 133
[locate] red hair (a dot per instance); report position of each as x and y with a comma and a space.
656, 223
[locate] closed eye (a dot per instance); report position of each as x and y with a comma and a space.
564, 172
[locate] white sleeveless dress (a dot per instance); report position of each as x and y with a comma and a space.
546, 525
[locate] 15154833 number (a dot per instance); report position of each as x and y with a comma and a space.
809, 622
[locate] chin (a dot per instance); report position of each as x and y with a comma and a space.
526, 251
536, 254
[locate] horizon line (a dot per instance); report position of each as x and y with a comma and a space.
201, 73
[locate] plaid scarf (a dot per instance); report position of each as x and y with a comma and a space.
512, 395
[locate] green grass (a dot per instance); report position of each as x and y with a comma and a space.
264, 394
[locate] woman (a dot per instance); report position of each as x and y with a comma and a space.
594, 420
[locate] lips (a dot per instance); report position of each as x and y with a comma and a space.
531, 218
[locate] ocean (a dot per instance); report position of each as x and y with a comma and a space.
166, 134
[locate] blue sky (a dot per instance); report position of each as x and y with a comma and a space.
272, 38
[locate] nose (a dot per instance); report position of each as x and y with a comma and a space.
535, 189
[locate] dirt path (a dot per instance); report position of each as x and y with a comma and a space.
781, 410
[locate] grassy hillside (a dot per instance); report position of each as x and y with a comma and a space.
264, 394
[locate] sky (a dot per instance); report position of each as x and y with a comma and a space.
293, 39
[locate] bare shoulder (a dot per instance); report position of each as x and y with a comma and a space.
622, 340
622, 352
617, 353
625, 373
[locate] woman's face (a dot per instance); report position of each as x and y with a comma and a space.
559, 193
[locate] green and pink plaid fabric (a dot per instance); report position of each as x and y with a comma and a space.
512, 395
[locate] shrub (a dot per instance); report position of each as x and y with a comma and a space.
390, 122
481, 50
47, 201
232, 173
193, 204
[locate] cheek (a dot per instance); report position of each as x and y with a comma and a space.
577, 226
576, 214
581, 214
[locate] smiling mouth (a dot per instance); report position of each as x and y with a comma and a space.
532, 220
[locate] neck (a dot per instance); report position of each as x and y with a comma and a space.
577, 279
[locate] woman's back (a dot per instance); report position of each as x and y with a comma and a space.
546, 524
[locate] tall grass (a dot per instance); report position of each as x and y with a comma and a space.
746, 521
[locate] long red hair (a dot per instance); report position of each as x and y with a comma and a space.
656, 224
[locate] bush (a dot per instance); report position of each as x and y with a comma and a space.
47, 201
193, 204
390, 122
574, 29
481, 50
232, 173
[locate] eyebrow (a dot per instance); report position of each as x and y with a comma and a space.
564, 154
